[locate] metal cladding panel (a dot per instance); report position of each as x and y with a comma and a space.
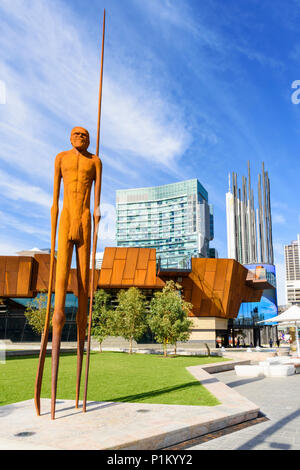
187, 294
219, 295
226, 293
108, 258
140, 277
2, 274
151, 273
11, 279
209, 279
24, 276
12, 264
105, 277
43, 272
130, 265
211, 264
221, 276
216, 308
238, 287
229, 270
121, 253
199, 266
204, 310
117, 271
160, 283
127, 282
197, 296
233, 287
143, 258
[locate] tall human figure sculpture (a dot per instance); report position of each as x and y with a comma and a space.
78, 169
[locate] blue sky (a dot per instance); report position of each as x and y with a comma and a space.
192, 88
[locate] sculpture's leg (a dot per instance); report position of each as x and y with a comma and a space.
58, 323
83, 261
63, 265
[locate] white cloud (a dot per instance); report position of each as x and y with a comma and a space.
142, 124
9, 249
8, 221
56, 86
18, 190
51, 71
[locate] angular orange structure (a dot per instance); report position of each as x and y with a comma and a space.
215, 287
127, 267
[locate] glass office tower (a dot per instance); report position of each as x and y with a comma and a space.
175, 219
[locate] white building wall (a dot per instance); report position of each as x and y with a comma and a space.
231, 243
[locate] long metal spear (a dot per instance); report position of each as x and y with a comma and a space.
95, 236
40, 370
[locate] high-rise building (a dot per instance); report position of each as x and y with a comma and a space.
249, 231
98, 260
292, 271
176, 219
249, 241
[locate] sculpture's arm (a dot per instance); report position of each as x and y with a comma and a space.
98, 180
56, 191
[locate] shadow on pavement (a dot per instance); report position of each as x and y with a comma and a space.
238, 383
260, 438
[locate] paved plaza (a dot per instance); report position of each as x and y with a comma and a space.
279, 399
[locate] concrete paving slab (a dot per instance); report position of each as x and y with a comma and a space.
130, 426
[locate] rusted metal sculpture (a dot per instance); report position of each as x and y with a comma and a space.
78, 169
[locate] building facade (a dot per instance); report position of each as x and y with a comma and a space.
175, 219
292, 272
249, 230
98, 260
250, 241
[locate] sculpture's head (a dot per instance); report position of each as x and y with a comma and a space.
80, 138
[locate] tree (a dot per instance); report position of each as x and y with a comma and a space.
35, 313
130, 315
168, 317
103, 316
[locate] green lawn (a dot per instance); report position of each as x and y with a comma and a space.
113, 377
